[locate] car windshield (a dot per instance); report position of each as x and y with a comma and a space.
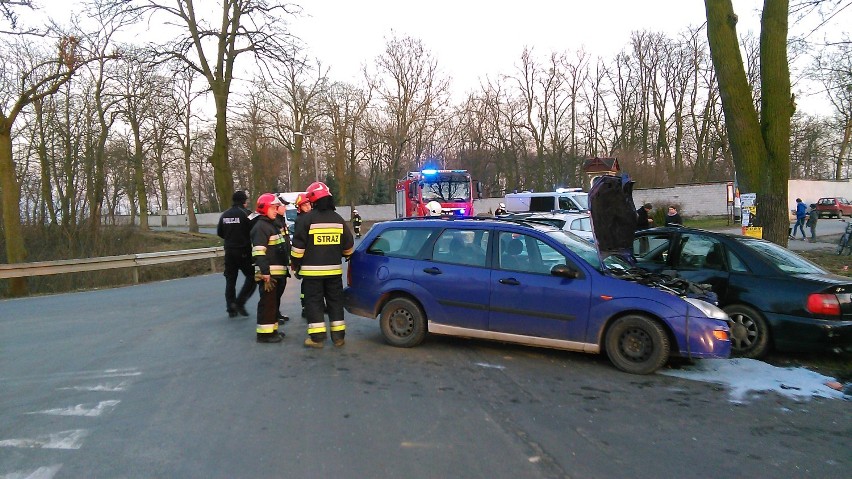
586, 251
782, 258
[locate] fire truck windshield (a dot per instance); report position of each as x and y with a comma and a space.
446, 189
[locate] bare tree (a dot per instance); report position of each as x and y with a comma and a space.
211, 47
760, 144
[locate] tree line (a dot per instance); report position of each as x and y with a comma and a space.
94, 127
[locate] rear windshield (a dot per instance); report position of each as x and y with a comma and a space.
782, 258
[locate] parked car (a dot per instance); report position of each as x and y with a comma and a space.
578, 223
525, 283
774, 297
835, 206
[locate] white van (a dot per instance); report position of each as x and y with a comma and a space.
563, 199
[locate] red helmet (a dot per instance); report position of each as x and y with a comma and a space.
317, 190
266, 200
301, 199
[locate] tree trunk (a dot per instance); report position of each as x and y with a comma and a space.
223, 177
9, 191
761, 151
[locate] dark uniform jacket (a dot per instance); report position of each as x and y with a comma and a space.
268, 248
356, 220
320, 241
234, 227
642, 219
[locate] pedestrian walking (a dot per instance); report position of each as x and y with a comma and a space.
270, 267
235, 228
801, 213
321, 239
356, 223
673, 217
811, 222
643, 220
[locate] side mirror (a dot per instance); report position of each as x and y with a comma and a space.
564, 271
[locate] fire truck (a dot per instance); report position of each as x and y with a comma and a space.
454, 189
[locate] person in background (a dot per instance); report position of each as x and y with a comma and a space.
673, 217
356, 223
235, 228
321, 239
501, 210
801, 213
643, 221
811, 222
270, 267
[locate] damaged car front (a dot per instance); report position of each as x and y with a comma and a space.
614, 216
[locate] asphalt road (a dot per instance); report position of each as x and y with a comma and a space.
154, 381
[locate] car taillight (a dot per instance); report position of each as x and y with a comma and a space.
824, 304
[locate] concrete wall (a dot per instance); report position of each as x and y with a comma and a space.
703, 199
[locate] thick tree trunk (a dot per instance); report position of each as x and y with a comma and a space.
9, 194
761, 151
223, 176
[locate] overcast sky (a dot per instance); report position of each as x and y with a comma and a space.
474, 39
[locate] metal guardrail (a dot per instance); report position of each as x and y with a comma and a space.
42, 268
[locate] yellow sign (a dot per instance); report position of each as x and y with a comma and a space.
753, 231
326, 238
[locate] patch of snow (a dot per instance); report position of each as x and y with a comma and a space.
744, 377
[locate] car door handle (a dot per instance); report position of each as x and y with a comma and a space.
510, 281
432, 270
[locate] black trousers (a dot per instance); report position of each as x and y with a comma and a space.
238, 260
267, 307
324, 294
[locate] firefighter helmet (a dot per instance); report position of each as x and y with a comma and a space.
502, 205
434, 208
301, 199
317, 190
266, 200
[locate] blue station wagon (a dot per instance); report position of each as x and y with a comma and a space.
523, 283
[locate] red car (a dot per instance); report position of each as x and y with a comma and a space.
836, 206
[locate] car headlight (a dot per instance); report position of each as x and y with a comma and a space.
708, 309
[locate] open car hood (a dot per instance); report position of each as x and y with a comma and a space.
613, 217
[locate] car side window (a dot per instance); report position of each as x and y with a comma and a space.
701, 252
735, 263
400, 243
461, 246
582, 224
523, 253
651, 249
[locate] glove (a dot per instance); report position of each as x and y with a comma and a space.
269, 286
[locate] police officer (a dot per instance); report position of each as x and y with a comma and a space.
235, 227
321, 239
270, 267
356, 223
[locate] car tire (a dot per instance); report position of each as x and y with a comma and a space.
749, 332
637, 345
402, 322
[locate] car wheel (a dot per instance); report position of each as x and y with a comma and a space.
403, 323
637, 345
749, 332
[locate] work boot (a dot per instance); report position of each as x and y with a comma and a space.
242, 310
339, 342
232, 310
271, 338
283, 318
310, 343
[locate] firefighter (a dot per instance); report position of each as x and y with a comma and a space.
302, 207
270, 267
235, 228
356, 223
321, 239
501, 210
284, 247
434, 208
